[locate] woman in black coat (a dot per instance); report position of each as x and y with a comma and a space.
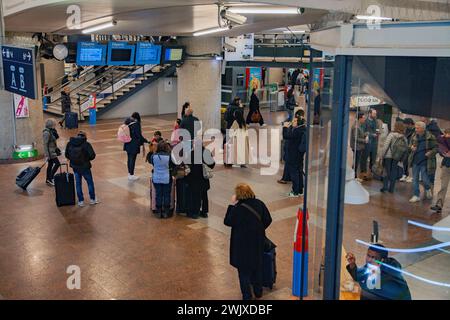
247, 239
133, 148
254, 108
197, 185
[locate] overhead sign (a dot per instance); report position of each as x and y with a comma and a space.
365, 101
19, 71
21, 106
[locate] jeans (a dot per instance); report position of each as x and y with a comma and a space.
131, 163
390, 174
358, 162
163, 194
295, 174
87, 175
247, 280
52, 166
370, 153
420, 171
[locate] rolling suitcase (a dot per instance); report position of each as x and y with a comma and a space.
26, 177
153, 197
269, 268
65, 188
71, 120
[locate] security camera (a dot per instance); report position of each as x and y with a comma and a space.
233, 17
229, 48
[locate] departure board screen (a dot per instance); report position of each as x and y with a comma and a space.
121, 53
148, 53
91, 54
173, 54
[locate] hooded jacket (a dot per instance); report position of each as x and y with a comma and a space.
50, 136
80, 153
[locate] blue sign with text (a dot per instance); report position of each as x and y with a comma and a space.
19, 71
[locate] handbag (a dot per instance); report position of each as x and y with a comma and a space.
268, 244
207, 172
58, 152
181, 171
256, 117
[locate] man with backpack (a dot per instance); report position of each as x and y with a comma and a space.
80, 154
394, 151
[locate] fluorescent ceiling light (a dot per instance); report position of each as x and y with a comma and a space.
100, 27
262, 10
209, 31
294, 31
372, 18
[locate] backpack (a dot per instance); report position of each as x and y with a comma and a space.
399, 149
77, 156
123, 134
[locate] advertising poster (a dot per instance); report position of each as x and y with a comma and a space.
21, 106
318, 79
254, 78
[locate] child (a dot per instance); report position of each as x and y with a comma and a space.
157, 136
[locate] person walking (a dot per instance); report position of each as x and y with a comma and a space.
247, 238
191, 123
290, 104
393, 142
410, 130
51, 150
254, 114
373, 127
80, 154
240, 144
444, 151
198, 183
162, 179
66, 105
422, 159
293, 135
133, 148
358, 141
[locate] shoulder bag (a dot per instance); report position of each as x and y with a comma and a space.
268, 244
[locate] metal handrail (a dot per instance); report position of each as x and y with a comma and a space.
57, 86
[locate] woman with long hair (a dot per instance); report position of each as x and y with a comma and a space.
240, 141
254, 115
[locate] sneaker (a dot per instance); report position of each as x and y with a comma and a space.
437, 208
94, 202
293, 195
81, 204
414, 199
404, 178
282, 182
429, 195
409, 180
50, 182
132, 178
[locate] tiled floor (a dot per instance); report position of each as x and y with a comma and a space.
124, 252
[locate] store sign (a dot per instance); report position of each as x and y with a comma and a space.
21, 106
365, 101
19, 71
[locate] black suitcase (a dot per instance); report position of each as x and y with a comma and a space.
65, 188
270, 269
26, 177
71, 120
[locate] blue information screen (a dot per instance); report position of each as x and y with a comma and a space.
148, 53
121, 54
91, 54
19, 71
173, 54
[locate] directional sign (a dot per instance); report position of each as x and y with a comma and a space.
21, 106
19, 71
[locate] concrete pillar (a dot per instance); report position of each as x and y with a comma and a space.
200, 80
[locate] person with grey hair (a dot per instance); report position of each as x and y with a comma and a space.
51, 150
422, 159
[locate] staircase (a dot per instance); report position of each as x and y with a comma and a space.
111, 86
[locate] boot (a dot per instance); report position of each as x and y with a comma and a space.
159, 212
166, 213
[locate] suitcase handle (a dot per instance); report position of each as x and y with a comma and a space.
67, 167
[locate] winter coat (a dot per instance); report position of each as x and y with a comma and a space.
195, 178
66, 103
444, 148
137, 140
188, 123
392, 287
386, 152
358, 137
230, 114
80, 153
293, 138
431, 146
50, 136
434, 129
247, 235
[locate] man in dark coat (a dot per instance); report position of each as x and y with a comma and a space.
197, 184
133, 148
247, 239
66, 104
80, 153
379, 281
188, 123
293, 136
